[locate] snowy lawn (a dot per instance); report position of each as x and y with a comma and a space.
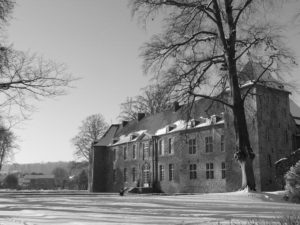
83, 208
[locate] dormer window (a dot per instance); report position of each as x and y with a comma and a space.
133, 137
218, 119
115, 140
280, 86
194, 122
171, 127
215, 119
202, 120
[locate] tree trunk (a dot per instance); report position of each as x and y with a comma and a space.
244, 154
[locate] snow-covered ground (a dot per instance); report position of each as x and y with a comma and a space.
82, 209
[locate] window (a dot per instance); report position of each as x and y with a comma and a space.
125, 174
115, 154
141, 150
171, 127
133, 174
193, 171
223, 169
270, 160
171, 145
209, 171
171, 172
222, 143
133, 137
209, 144
145, 148
192, 146
286, 138
160, 147
125, 152
114, 175
161, 172
134, 151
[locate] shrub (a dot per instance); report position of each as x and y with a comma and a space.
83, 180
11, 181
292, 180
291, 219
288, 219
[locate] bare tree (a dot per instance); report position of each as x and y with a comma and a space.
25, 76
91, 130
6, 7
61, 177
7, 144
203, 47
155, 98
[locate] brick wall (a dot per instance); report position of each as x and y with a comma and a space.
270, 130
129, 163
275, 129
182, 161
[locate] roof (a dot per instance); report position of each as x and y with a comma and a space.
108, 136
152, 123
252, 71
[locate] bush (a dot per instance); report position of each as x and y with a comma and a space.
83, 180
288, 219
11, 181
292, 180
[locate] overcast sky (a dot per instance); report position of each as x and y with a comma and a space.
99, 41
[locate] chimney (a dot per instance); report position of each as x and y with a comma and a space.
124, 123
213, 119
176, 106
222, 115
140, 116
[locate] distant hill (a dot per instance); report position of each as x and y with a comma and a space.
45, 168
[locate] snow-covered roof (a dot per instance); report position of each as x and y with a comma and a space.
184, 125
129, 138
269, 84
178, 125
108, 136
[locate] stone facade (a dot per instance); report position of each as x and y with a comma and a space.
168, 153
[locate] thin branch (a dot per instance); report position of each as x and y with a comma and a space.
257, 80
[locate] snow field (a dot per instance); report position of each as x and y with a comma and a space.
85, 209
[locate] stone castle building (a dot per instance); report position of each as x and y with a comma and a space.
169, 153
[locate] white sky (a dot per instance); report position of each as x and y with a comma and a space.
99, 41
